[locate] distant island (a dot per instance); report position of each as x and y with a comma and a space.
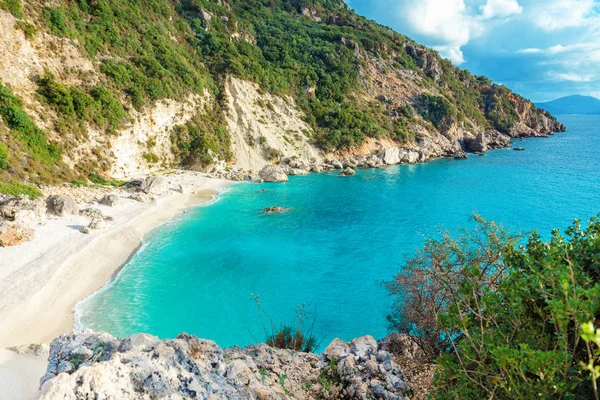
576, 104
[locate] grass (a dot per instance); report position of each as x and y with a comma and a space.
18, 189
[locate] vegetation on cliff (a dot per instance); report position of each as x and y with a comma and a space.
319, 52
504, 319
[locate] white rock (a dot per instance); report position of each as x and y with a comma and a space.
273, 173
391, 156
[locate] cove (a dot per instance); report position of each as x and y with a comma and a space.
343, 236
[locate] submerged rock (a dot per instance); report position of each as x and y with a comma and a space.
96, 365
519, 149
276, 210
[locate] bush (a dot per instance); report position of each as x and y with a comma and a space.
29, 30
3, 157
57, 20
436, 110
506, 319
18, 189
13, 7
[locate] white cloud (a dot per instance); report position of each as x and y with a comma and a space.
447, 25
586, 49
571, 77
500, 8
558, 14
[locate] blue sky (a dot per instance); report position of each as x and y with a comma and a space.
542, 49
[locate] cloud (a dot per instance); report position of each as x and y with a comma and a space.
500, 8
571, 77
558, 49
448, 25
560, 14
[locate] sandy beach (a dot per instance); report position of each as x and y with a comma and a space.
41, 281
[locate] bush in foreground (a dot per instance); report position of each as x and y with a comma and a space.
504, 320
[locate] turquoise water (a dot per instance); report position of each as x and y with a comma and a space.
342, 238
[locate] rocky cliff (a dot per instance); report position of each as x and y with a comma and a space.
122, 89
96, 365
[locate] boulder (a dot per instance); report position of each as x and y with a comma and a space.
496, 140
412, 157
337, 164
347, 172
276, 210
364, 346
62, 205
391, 156
11, 206
273, 173
94, 225
298, 172
337, 350
476, 144
298, 163
111, 200
95, 213
140, 197
153, 185
316, 168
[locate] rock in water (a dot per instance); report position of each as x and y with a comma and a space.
62, 205
519, 149
98, 366
275, 210
391, 156
347, 172
476, 144
273, 173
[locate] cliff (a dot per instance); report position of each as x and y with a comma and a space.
122, 89
96, 365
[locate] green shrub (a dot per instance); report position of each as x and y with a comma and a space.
57, 20
18, 189
13, 7
3, 157
505, 318
436, 109
29, 30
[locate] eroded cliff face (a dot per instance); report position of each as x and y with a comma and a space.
265, 128
96, 365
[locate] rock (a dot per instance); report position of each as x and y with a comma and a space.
273, 173
298, 163
337, 350
276, 210
337, 164
412, 157
347, 172
11, 209
299, 172
476, 144
97, 366
153, 185
316, 168
364, 346
496, 140
35, 350
62, 205
94, 225
391, 156
111, 200
95, 213
13, 234
140, 197
519, 149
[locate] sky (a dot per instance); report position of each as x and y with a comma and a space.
542, 49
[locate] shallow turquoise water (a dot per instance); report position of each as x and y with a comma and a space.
343, 237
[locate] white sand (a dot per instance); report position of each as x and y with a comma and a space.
42, 280
20, 375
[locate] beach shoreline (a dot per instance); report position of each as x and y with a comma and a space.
43, 280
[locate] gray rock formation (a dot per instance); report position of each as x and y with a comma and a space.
62, 205
111, 200
153, 185
476, 144
94, 225
98, 366
273, 173
347, 172
95, 213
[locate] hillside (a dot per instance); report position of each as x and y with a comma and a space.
92, 91
576, 104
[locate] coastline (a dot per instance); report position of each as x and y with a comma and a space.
42, 281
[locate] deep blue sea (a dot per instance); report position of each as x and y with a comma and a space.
343, 237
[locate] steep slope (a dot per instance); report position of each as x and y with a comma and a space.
120, 88
576, 104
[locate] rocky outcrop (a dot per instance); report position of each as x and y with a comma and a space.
94, 225
111, 200
273, 173
13, 233
153, 185
347, 172
95, 213
96, 365
62, 205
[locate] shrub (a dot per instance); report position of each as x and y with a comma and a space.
3, 157
436, 110
29, 30
13, 7
18, 189
57, 20
284, 336
508, 317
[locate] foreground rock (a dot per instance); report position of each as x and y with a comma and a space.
273, 173
98, 366
13, 234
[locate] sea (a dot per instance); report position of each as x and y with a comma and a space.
326, 258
